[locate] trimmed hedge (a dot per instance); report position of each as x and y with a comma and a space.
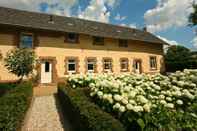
4, 87
83, 114
13, 106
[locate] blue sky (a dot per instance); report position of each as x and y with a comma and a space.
165, 18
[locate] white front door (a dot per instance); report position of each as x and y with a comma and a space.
46, 72
137, 66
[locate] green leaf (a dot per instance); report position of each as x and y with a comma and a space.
141, 123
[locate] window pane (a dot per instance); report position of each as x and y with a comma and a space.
71, 67
153, 62
72, 37
91, 67
108, 64
47, 66
123, 43
26, 41
98, 40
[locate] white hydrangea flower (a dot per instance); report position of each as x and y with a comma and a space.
169, 105
163, 102
100, 93
116, 106
117, 97
142, 99
129, 107
179, 102
122, 109
147, 107
138, 109
168, 98
125, 101
132, 94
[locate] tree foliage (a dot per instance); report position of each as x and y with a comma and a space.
193, 16
20, 62
179, 58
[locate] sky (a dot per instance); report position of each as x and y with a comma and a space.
167, 19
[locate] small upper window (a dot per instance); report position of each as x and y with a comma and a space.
123, 43
153, 62
98, 40
124, 65
72, 37
26, 40
107, 65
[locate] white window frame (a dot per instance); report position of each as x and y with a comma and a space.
75, 63
109, 61
126, 62
153, 61
91, 62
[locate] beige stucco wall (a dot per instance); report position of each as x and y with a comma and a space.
56, 47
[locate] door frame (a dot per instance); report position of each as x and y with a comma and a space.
53, 61
138, 60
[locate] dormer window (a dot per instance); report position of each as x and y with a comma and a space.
123, 43
72, 38
98, 40
26, 40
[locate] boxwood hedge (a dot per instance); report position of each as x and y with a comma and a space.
83, 114
13, 106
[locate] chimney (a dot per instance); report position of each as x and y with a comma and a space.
145, 29
51, 21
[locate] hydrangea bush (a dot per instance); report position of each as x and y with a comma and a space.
145, 101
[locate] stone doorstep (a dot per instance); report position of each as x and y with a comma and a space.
44, 90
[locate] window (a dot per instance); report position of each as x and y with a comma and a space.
91, 63
107, 64
153, 62
47, 66
72, 37
98, 40
26, 40
123, 43
71, 66
124, 65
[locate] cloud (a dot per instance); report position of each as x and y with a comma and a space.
171, 42
119, 18
132, 25
59, 7
167, 14
194, 42
98, 10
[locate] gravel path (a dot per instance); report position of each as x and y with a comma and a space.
44, 115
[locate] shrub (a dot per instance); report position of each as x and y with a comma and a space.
83, 114
13, 106
4, 87
20, 62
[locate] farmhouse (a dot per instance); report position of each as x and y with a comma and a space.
67, 45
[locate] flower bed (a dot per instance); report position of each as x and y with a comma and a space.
13, 106
145, 101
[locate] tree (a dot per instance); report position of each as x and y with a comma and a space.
20, 62
193, 16
179, 58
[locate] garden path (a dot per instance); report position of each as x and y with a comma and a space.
45, 115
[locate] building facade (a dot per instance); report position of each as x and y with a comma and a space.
66, 45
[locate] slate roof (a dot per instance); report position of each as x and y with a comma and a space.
36, 20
